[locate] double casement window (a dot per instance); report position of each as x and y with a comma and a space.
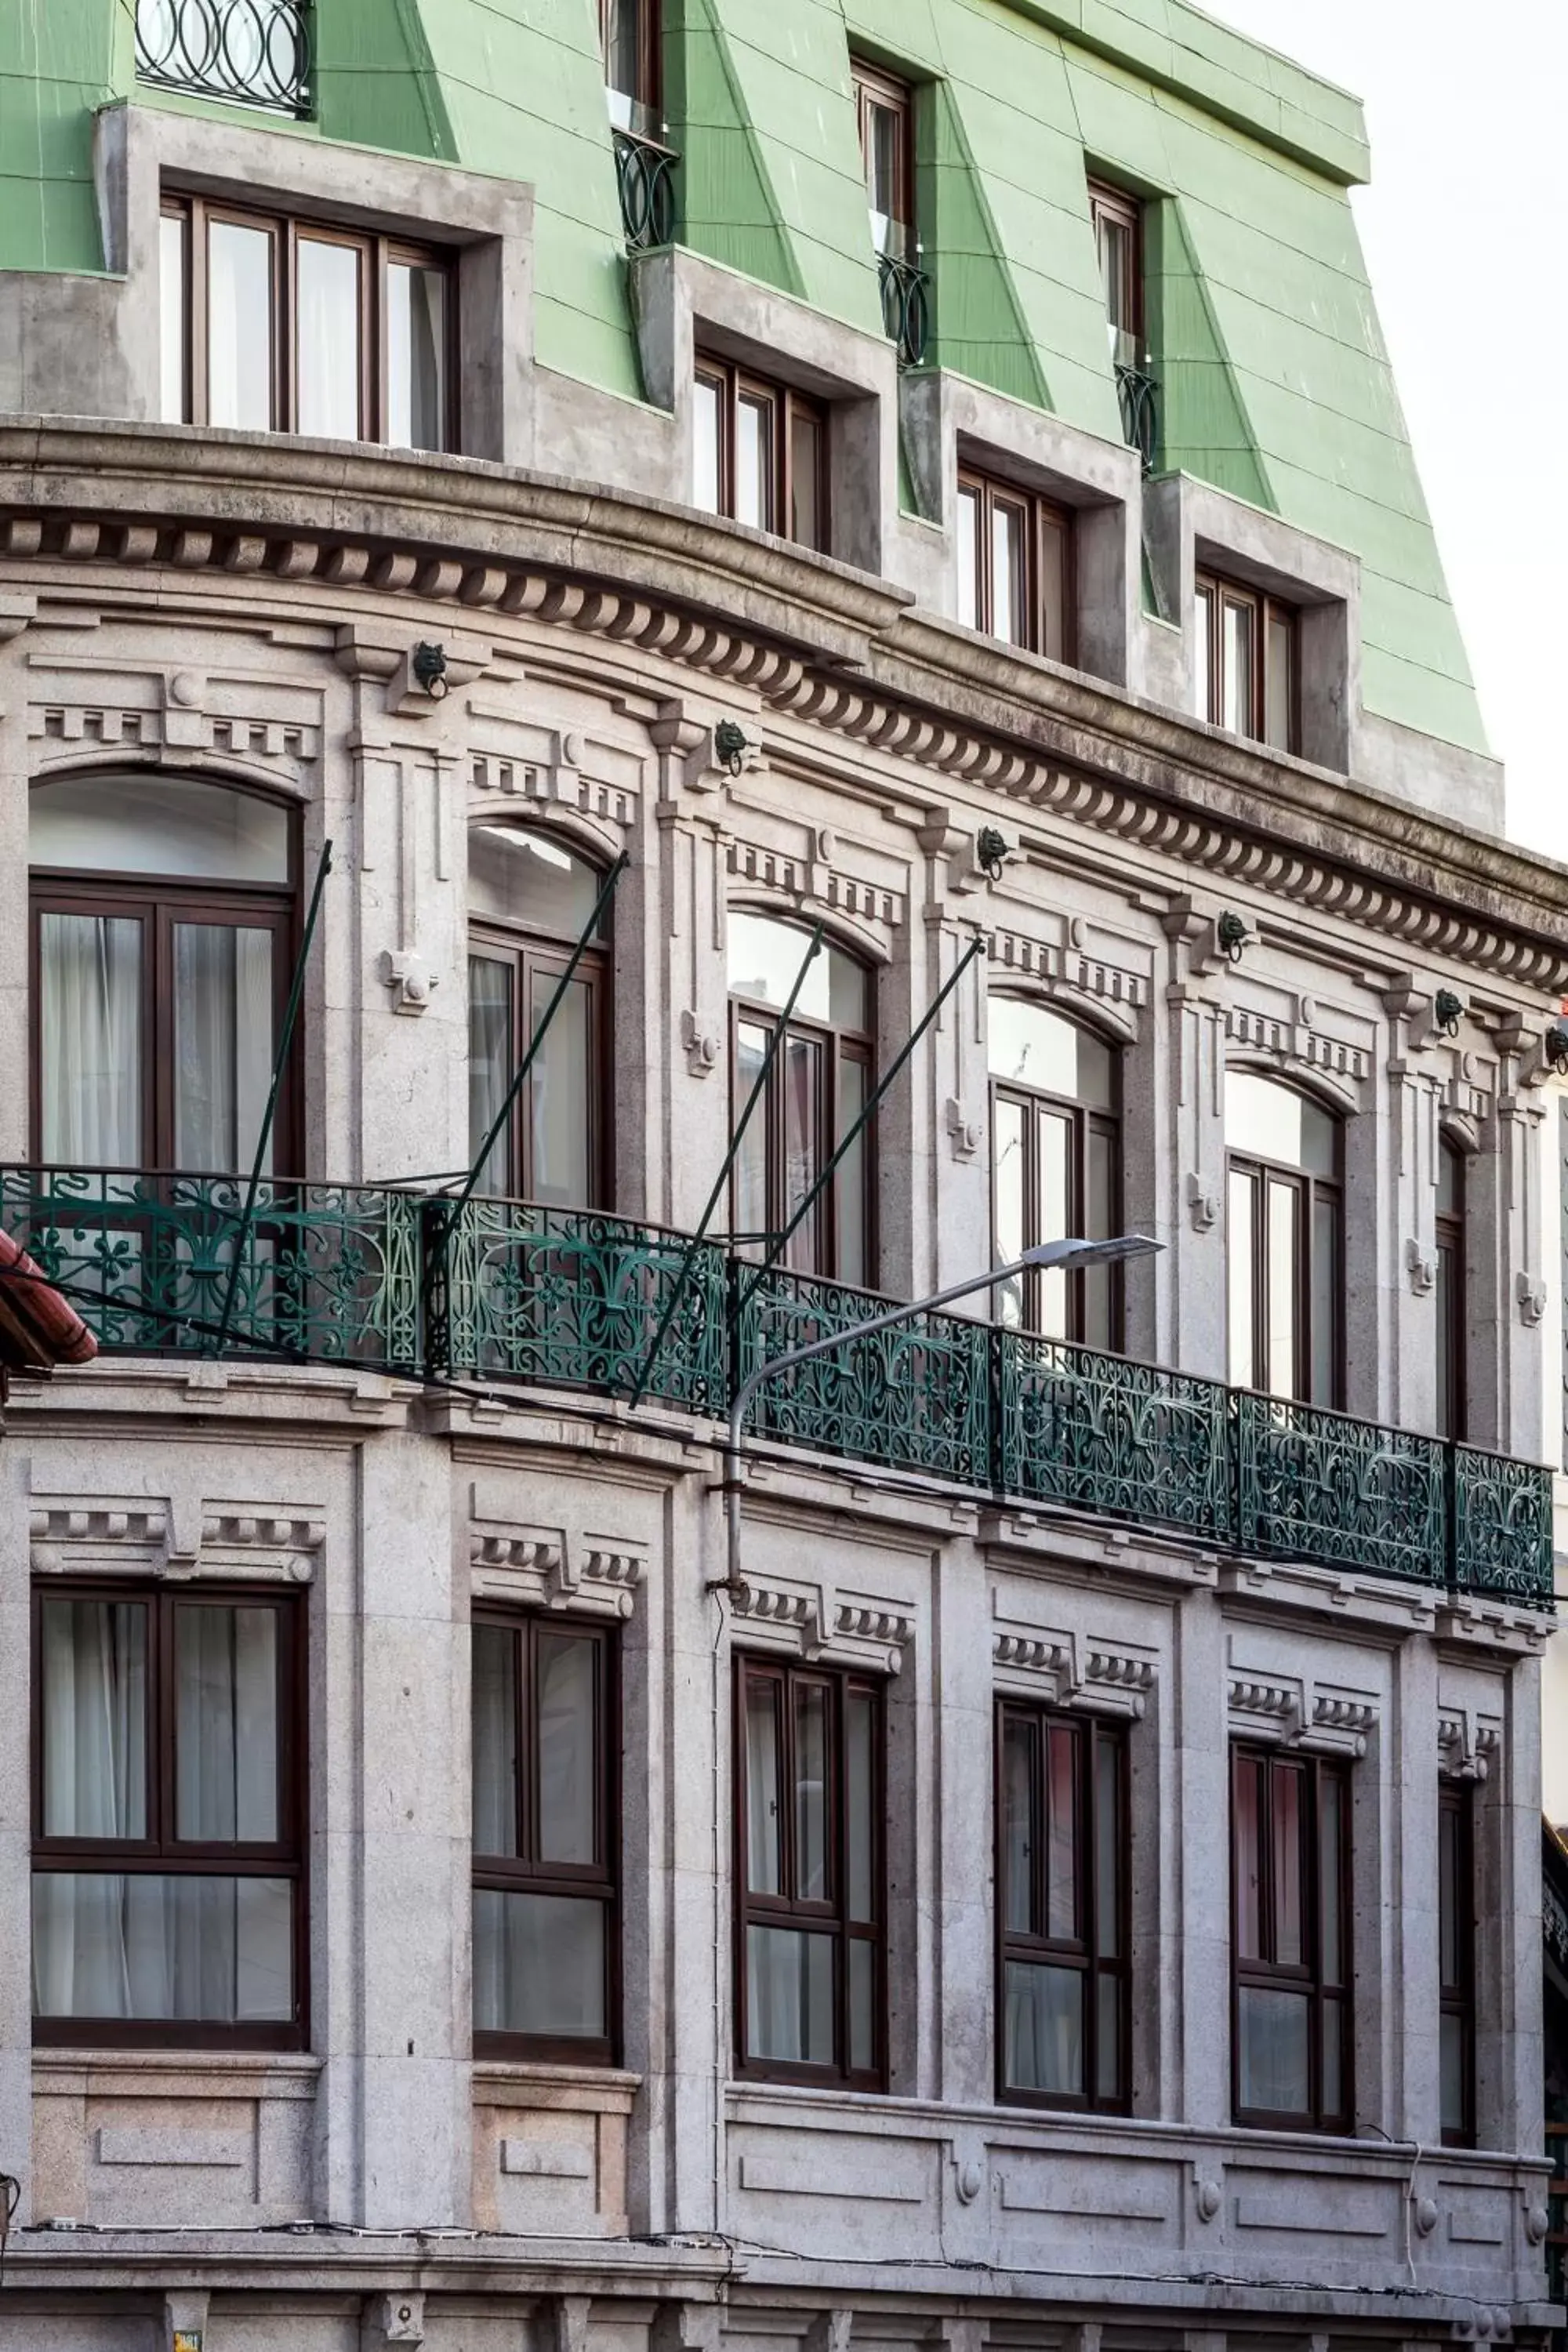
168, 1821
631, 33
163, 913
1285, 1240
1245, 662
1055, 1165
1450, 1291
885, 114
529, 901
1014, 566
1062, 1935
1290, 1843
760, 453
545, 1752
811, 1961
1457, 1961
819, 1086
275, 325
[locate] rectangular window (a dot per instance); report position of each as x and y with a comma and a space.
630, 31
760, 453
168, 1878
1014, 566
1062, 1938
1117, 221
1457, 1961
277, 326
1291, 1941
545, 1752
1245, 663
811, 1939
885, 112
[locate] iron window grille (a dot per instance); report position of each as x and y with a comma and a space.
1290, 1912
168, 1837
810, 1875
276, 325
250, 52
1062, 1924
546, 1839
1456, 1960
1245, 665
1015, 570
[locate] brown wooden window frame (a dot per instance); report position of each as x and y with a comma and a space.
160, 903
377, 253
1116, 208
875, 90
524, 1873
162, 1855
1310, 1190
1451, 1298
831, 1916
1085, 1124
1329, 1999
1053, 634
1214, 594
1082, 1951
530, 955
815, 1247
786, 407
1456, 1986
649, 15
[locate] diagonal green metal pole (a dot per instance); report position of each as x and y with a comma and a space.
279, 1062
722, 1179
535, 1043
778, 1241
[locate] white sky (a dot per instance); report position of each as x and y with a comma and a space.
1463, 229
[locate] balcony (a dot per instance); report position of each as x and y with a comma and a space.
645, 174
397, 1282
1138, 394
906, 306
251, 52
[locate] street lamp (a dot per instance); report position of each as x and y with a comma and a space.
1065, 1254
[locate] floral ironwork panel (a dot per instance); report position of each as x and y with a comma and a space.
1105, 1434
1502, 1527
1319, 1486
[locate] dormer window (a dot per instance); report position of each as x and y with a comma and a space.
882, 104
1244, 662
1119, 246
630, 30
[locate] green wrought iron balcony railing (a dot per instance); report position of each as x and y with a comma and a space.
401, 1282
645, 174
252, 52
1138, 394
906, 306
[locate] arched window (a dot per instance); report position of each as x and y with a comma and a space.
1055, 1165
819, 1086
1285, 1244
530, 900
1450, 1290
163, 921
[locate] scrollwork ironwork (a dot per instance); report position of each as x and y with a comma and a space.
1502, 1529
252, 52
1138, 396
1104, 1434
645, 174
906, 306
1319, 1486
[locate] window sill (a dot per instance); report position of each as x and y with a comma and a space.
158, 2073
510, 2082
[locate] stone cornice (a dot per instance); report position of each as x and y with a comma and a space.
809, 638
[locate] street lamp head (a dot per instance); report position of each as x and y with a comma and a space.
1073, 1254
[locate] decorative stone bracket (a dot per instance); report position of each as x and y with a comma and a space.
1467, 1743
1530, 1296
180, 1538
1070, 1670
1422, 1268
814, 1620
544, 1569
965, 1135
702, 1047
410, 978
1287, 1711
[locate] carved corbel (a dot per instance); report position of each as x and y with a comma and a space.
1530, 1295
701, 1046
965, 1134
1422, 1268
1203, 1207
410, 978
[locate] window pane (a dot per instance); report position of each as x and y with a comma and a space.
1203, 655
1279, 683
811, 1792
969, 572
622, 48
568, 1748
1274, 1122
239, 327
225, 1725
1333, 2058
495, 1740
1009, 574
802, 1083
327, 339
849, 992
1108, 2083
1330, 1866
223, 1043
133, 823
807, 518
415, 356
516, 877
1272, 2036
1451, 2070
1450, 1181
1054, 586
884, 128
492, 1062
1107, 1847
1029, 1045
1063, 1863
1286, 1793
216, 1950
1115, 242
89, 1040
1241, 1246
789, 1996
1007, 1174
539, 1965
751, 1159
1042, 2038
1284, 1218
1450, 1340
1052, 1213
707, 470
862, 2003
1246, 1864
1019, 1741
559, 1091
1449, 1896
754, 462
1325, 1298
172, 300
764, 1864
765, 963
92, 1673
860, 1798
1099, 1222
852, 1261
1237, 656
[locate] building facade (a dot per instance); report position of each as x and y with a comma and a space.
664, 675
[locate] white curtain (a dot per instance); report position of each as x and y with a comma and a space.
90, 1027
223, 1043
